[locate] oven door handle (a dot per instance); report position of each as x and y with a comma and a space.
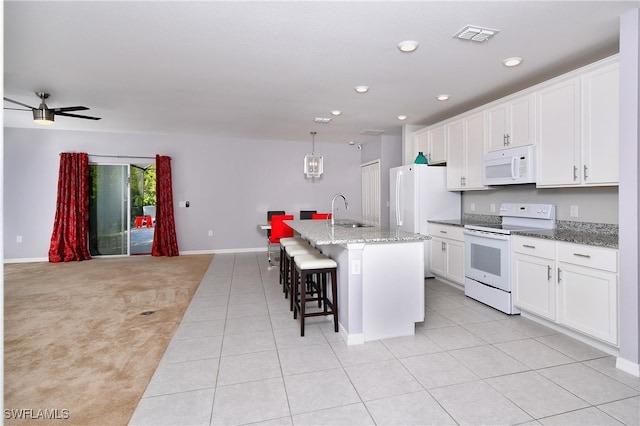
489, 235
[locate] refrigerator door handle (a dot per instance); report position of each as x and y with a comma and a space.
399, 213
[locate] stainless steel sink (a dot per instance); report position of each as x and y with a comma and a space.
353, 225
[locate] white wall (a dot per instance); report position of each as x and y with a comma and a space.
230, 184
598, 204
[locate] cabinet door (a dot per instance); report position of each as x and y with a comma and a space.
559, 134
420, 142
455, 261
588, 301
521, 129
455, 161
474, 144
437, 148
600, 126
497, 123
437, 256
534, 285
511, 124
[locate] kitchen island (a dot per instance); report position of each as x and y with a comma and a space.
380, 276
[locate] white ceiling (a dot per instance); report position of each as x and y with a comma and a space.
266, 69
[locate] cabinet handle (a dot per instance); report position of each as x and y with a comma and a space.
528, 246
508, 139
575, 173
585, 172
548, 273
504, 140
444, 246
586, 256
443, 232
429, 157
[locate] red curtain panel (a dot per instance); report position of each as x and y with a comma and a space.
164, 237
69, 240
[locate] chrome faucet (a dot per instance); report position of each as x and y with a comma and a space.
333, 207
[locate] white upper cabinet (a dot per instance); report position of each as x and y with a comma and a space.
431, 142
511, 123
437, 153
577, 128
600, 90
559, 133
465, 148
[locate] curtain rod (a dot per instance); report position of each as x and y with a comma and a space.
121, 156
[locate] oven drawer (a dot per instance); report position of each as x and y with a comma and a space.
589, 256
446, 231
534, 246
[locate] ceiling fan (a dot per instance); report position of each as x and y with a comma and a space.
45, 115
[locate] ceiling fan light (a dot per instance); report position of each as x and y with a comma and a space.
43, 116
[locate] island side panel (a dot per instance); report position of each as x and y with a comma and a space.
392, 289
349, 289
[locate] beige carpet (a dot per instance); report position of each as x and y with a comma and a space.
75, 342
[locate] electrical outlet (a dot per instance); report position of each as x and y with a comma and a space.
493, 207
472, 207
18, 238
574, 211
182, 204
356, 267
210, 233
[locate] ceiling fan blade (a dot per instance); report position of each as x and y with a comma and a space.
19, 103
65, 114
17, 109
65, 109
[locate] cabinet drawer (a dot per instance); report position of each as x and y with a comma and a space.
446, 231
534, 247
589, 256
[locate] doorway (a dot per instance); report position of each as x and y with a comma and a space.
121, 209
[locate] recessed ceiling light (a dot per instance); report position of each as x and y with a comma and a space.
512, 62
361, 89
323, 120
408, 46
402, 117
336, 112
442, 97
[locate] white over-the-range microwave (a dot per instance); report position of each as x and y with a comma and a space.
510, 166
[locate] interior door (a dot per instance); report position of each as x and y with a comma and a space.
109, 209
371, 193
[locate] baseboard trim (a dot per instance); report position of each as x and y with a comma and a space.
628, 366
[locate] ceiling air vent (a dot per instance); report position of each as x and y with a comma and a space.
475, 33
321, 120
371, 132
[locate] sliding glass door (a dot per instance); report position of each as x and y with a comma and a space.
109, 209
122, 203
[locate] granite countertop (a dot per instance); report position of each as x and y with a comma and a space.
320, 232
591, 234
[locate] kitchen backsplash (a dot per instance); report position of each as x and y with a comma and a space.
592, 205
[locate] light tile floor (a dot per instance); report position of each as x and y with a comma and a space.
238, 358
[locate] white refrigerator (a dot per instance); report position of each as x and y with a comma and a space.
419, 194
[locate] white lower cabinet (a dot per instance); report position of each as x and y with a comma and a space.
534, 273
447, 252
571, 284
588, 290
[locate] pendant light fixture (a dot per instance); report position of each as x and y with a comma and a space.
313, 162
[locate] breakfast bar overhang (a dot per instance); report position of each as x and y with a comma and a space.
380, 276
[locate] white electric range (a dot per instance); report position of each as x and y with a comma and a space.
488, 252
